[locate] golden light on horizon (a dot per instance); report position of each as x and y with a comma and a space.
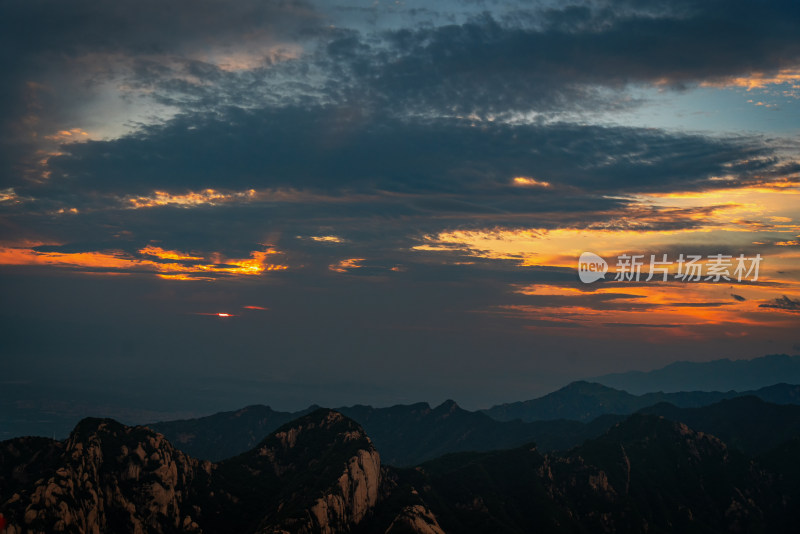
653, 222
664, 309
762, 219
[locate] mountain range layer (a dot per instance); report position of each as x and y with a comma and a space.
410, 434
321, 473
716, 375
688, 384
584, 401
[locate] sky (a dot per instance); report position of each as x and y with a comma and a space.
207, 204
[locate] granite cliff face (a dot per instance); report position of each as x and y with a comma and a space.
105, 477
329, 471
416, 518
226, 434
318, 474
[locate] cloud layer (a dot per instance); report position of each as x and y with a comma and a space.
373, 190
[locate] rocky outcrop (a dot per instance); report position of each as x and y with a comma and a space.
354, 495
417, 519
341, 491
646, 474
106, 477
319, 474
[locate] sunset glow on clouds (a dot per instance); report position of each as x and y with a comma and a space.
167, 264
409, 181
205, 197
760, 80
759, 219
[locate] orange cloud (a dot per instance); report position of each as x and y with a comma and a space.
214, 197
757, 80
345, 265
99, 260
525, 181
178, 265
326, 239
186, 277
159, 252
718, 221
9, 196
255, 265
205, 197
69, 136
664, 309
651, 223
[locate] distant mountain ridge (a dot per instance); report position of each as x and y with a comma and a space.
404, 434
233, 432
584, 401
50, 418
716, 375
410, 434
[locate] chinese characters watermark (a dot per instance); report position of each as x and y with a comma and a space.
687, 268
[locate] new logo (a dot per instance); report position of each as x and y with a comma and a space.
591, 267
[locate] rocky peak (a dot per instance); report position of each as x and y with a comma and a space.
416, 519
319, 473
311, 437
447, 407
341, 473
106, 477
641, 428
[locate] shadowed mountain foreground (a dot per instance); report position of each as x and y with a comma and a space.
321, 473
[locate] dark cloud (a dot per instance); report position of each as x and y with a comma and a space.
738, 297
381, 183
543, 59
782, 303
619, 301
367, 134
150, 27
55, 56
335, 150
558, 58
